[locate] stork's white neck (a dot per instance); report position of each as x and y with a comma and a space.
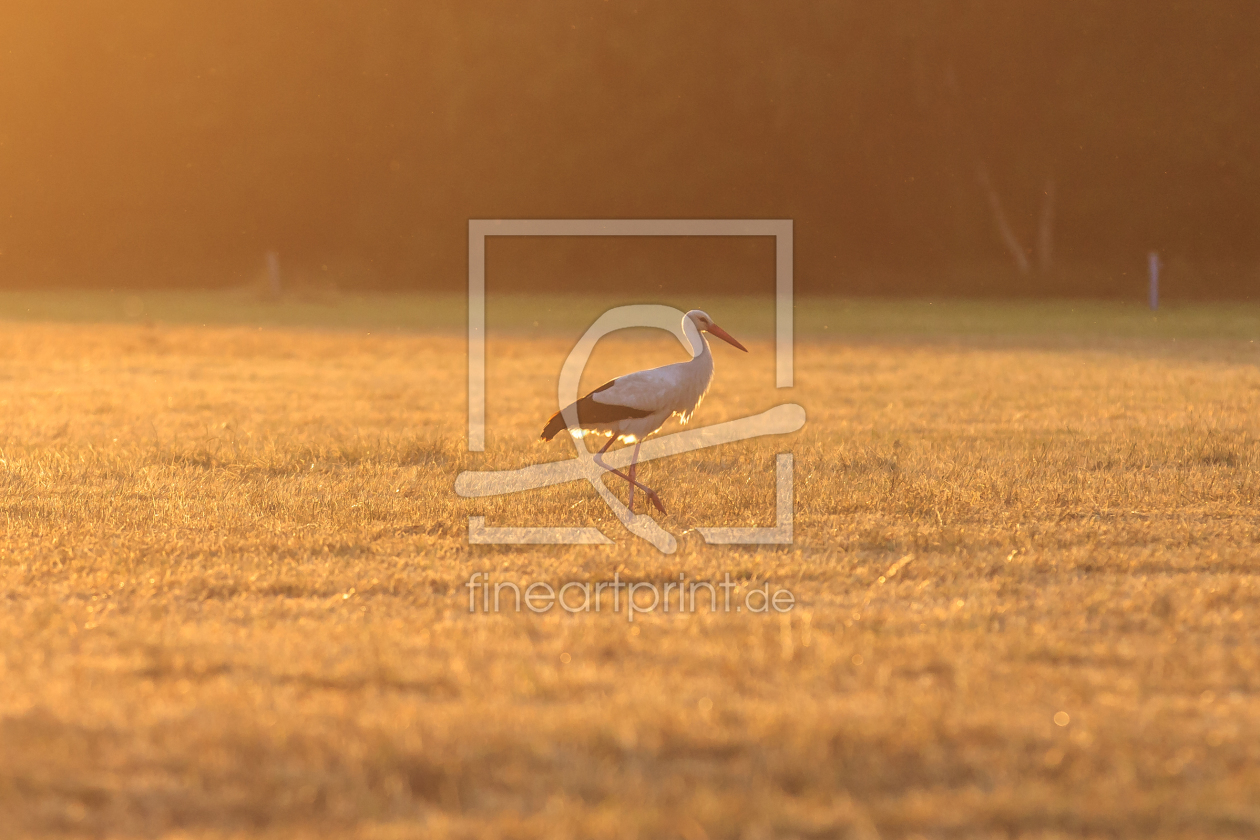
696, 374
699, 344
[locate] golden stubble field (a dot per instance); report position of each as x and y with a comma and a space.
233, 567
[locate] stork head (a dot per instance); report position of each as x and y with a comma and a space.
705, 324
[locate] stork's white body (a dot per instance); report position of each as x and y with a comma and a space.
666, 391
631, 407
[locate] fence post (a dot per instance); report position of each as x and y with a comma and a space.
274, 284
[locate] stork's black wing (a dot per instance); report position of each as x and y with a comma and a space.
591, 412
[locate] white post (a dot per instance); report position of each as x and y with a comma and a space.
1152, 260
273, 274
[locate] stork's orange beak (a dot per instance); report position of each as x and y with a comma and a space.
725, 336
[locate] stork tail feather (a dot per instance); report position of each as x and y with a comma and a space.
591, 411
553, 427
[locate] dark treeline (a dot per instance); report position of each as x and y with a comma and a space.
922, 147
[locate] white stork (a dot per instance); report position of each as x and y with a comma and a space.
631, 407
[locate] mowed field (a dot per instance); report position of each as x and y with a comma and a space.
233, 579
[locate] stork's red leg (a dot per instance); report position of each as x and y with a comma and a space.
634, 465
648, 491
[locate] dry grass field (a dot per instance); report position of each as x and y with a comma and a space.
233, 568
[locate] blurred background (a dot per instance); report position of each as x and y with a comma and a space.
978, 147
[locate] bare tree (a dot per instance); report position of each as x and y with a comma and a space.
999, 216
1045, 228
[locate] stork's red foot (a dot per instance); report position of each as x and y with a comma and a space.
652, 497
656, 500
